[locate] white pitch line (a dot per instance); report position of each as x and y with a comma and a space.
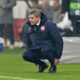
70, 76
18, 78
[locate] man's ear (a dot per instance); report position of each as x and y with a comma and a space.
39, 17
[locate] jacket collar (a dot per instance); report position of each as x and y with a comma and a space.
38, 23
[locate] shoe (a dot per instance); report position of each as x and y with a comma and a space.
42, 67
52, 69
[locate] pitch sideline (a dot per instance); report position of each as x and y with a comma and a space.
16, 78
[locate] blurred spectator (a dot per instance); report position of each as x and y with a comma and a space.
65, 26
20, 11
34, 4
56, 11
6, 18
47, 9
66, 8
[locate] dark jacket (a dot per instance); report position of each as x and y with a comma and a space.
66, 8
45, 36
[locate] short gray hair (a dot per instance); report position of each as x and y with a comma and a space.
36, 12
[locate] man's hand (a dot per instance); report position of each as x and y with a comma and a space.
63, 14
56, 61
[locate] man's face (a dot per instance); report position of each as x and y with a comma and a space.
45, 4
34, 4
56, 4
33, 19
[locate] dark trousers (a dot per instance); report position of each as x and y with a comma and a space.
74, 20
74, 26
35, 56
9, 32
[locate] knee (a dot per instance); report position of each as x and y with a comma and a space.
25, 56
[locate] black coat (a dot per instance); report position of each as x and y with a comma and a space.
66, 8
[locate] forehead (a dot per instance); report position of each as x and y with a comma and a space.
31, 15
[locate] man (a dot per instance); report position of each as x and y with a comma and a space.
47, 9
43, 41
34, 4
6, 18
70, 7
56, 11
59, 20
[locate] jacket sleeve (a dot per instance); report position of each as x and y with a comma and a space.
25, 37
65, 6
56, 39
28, 41
10, 4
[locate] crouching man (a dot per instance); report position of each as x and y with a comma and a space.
43, 41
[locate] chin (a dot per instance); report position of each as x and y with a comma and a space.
32, 24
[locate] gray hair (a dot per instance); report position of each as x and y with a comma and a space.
36, 12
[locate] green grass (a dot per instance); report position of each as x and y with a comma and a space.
12, 65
